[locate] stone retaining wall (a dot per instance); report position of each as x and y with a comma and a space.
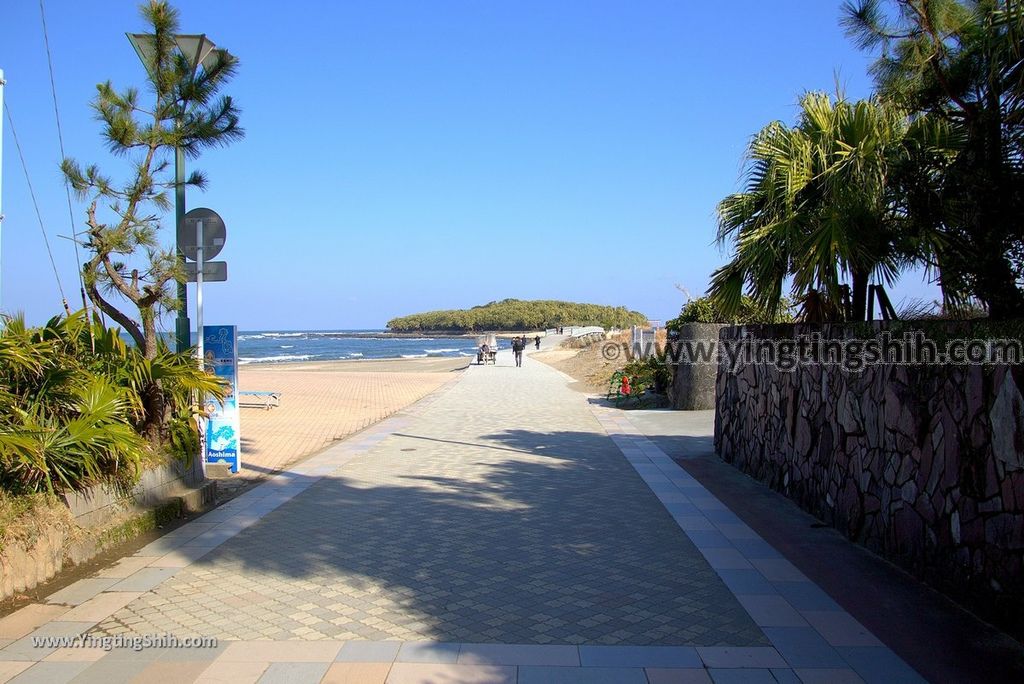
101, 517
923, 464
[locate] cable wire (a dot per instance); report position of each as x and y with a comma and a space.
63, 156
39, 216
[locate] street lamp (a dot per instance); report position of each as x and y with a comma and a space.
198, 50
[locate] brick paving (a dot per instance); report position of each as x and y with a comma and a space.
501, 514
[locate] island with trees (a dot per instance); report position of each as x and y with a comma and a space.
516, 314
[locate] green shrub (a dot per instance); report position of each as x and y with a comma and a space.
71, 405
649, 373
703, 310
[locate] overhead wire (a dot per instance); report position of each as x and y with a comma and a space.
63, 156
35, 203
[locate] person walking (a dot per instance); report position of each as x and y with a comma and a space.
517, 350
536, 342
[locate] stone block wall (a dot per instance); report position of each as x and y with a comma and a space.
923, 464
90, 514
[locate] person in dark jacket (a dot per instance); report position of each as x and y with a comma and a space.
536, 342
518, 344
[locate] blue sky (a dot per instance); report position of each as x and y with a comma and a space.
404, 156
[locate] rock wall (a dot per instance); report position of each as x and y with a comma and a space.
923, 464
98, 517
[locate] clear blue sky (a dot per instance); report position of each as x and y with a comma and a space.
404, 156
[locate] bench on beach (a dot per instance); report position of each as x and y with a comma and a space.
263, 400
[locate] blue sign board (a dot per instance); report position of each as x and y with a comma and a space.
220, 356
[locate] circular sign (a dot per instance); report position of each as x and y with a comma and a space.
214, 233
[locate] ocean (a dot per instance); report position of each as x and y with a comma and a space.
333, 345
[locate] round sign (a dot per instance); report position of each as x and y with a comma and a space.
214, 233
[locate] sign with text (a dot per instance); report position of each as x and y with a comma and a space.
223, 436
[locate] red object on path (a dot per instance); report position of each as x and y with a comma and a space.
625, 388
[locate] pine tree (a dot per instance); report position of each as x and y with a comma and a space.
180, 109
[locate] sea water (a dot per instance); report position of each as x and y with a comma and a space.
270, 346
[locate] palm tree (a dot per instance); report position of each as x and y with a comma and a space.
819, 209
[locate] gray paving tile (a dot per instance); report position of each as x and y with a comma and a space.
682, 509
694, 522
639, 656
50, 673
726, 559
581, 675
746, 581
755, 548
826, 676
772, 611
737, 531
294, 673
726, 657
723, 517
428, 652
709, 539
368, 651
786, 676
840, 629
878, 665
145, 579
161, 546
62, 628
690, 675
423, 673
778, 570
519, 654
742, 676
25, 649
80, 591
106, 671
805, 596
803, 647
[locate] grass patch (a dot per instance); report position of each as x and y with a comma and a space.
140, 523
23, 517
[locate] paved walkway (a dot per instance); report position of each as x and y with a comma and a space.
504, 530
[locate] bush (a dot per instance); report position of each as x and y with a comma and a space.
703, 310
649, 373
71, 405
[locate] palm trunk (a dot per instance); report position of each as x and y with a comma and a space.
859, 295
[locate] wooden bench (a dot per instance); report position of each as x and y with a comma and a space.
263, 400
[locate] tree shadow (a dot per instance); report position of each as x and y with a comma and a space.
539, 537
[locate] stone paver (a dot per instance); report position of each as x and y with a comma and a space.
501, 513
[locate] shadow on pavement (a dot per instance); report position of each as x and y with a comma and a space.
542, 538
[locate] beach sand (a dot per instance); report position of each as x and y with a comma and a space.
325, 401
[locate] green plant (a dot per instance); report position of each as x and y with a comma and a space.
184, 113
959, 62
706, 310
820, 211
649, 373
71, 405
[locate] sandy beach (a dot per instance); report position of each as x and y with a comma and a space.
325, 401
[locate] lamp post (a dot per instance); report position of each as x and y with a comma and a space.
198, 50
